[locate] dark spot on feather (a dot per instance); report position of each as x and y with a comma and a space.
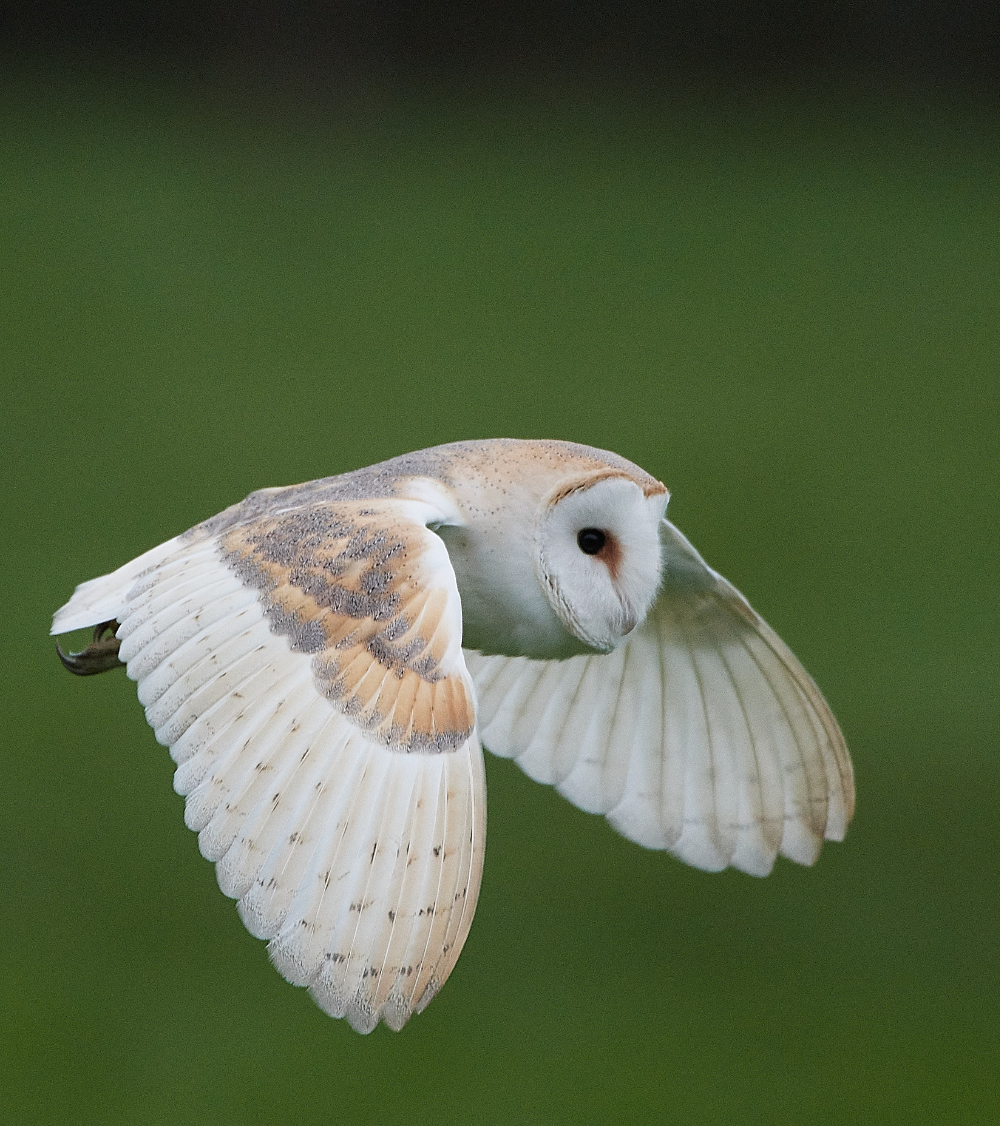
303, 636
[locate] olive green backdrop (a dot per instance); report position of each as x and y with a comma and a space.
787, 310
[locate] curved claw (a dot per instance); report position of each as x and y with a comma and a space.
101, 654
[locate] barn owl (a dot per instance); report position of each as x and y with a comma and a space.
325, 662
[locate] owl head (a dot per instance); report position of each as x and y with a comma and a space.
597, 555
556, 555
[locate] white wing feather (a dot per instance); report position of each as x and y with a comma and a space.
360, 864
101, 599
701, 733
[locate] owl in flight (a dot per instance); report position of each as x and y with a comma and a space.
325, 660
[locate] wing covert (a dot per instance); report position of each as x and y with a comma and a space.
371, 595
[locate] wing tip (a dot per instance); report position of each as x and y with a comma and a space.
101, 599
358, 1010
800, 843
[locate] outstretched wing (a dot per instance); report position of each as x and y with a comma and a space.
701, 733
305, 668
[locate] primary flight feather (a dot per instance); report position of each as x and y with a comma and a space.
323, 660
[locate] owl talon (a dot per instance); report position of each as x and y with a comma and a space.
99, 656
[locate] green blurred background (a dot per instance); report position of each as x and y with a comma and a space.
783, 306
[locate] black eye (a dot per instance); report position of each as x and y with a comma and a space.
590, 540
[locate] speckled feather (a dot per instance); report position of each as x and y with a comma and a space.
349, 584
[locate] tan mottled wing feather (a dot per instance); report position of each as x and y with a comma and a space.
305, 668
701, 733
354, 584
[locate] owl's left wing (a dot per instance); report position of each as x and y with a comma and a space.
701, 733
304, 667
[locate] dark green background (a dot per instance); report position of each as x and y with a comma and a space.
786, 309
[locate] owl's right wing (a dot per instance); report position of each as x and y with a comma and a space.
701, 733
